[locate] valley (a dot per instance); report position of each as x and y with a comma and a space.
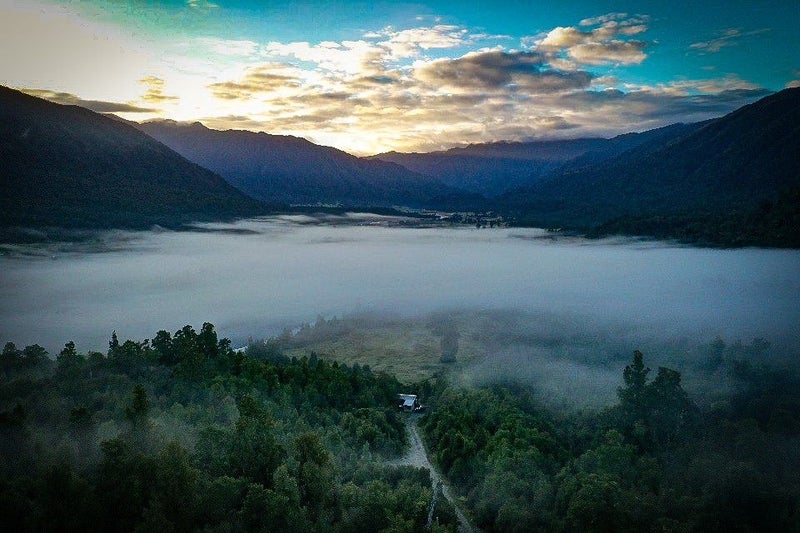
311, 267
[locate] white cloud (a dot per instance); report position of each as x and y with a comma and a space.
154, 93
608, 43
350, 57
226, 47
365, 96
416, 88
711, 86
623, 52
201, 4
603, 19
408, 43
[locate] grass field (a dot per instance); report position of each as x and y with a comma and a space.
410, 348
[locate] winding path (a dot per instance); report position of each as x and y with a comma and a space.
417, 456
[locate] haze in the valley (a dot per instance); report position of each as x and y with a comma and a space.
257, 277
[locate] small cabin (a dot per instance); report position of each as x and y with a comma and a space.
408, 403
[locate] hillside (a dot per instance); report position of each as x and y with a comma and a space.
492, 169
488, 176
67, 166
729, 180
294, 170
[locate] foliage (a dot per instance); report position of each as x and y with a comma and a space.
182, 433
771, 223
652, 462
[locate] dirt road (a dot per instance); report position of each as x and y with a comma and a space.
417, 456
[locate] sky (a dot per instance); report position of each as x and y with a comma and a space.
370, 77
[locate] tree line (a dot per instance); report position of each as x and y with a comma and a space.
182, 433
654, 461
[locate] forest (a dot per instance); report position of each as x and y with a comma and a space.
183, 433
654, 461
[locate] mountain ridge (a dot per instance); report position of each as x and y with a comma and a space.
294, 170
63, 165
495, 168
736, 173
731, 180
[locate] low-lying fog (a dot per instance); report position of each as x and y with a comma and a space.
256, 277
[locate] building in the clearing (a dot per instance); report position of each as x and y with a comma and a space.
408, 403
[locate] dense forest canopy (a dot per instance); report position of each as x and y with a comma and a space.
181, 433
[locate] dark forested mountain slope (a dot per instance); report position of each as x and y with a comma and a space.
70, 167
294, 170
492, 169
739, 165
488, 176
549, 150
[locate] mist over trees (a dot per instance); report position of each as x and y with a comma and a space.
653, 461
181, 433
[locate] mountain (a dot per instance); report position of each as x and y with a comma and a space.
492, 169
67, 166
731, 173
488, 176
293, 170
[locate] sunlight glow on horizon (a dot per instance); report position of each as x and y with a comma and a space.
432, 83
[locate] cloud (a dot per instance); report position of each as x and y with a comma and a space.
410, 42
480, 96
350, 57
201, 4
416, 89
640, 108
155, 91
97, 106
712, 86
227, 47
608, 43
603, 19
729, 37
622, 52
259, 80
497, 69
793, 84
240, 122
378, 51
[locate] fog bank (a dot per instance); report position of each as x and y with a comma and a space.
256, 277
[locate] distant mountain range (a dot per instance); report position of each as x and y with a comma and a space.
280, 168
734, 180
67, 166
492, 169
731, 180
